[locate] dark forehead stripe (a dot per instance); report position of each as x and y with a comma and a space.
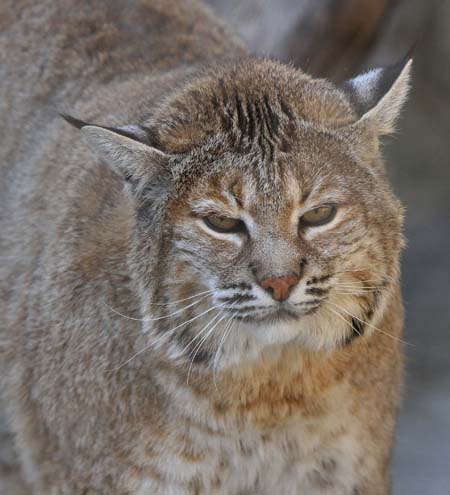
248, 118
258, 100
254, 120
257, 125
272, 122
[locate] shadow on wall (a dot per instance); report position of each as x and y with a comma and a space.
337, 39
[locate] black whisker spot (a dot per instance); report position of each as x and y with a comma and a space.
237, 297
241, 286
318, 280
248, 308
317, 291
308, 303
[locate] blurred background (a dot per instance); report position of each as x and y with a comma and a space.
338, 39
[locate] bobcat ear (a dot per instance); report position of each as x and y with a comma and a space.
123, 148
378, 95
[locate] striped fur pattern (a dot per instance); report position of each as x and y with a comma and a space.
139, 351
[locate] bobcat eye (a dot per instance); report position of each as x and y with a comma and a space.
318, 216
224, 224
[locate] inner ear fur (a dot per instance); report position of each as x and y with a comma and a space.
379, 95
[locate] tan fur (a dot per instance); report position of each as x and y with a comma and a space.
139, 353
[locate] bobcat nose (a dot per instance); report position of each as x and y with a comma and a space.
280, 287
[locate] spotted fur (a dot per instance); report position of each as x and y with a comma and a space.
140, 353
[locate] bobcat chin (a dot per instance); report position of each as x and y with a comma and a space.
200, 275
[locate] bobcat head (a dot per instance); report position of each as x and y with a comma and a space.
262, 210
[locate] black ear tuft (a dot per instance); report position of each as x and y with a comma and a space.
79, 124
136, 132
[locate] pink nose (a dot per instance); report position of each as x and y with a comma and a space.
280, 287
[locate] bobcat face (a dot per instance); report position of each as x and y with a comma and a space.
261, 199
285, 244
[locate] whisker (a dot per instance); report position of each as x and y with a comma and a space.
165, 336
226, 332
120, 314
203, 340
372, 326
350, 324
196, 349
354, 270
201, 332
356, 284
384, 276
182, 300
199, 345
159, 317
373, 289
355, 291
341, 317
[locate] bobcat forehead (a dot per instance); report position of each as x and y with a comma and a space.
252, 102
239, 191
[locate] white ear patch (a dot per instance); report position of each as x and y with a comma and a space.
379, 95
365, 85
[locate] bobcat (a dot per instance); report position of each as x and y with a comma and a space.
199, 283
